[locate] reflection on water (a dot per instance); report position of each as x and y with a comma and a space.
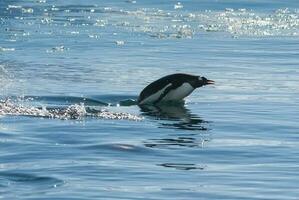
182, 166
177, 141
177, 117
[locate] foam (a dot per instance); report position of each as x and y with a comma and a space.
76, 111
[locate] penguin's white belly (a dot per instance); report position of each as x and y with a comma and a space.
152, 98
179, 93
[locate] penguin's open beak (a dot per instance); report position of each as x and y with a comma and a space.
210, 82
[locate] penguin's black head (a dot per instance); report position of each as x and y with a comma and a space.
201, 81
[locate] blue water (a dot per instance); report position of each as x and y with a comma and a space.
237, 139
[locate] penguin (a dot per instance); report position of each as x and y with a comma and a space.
174, 87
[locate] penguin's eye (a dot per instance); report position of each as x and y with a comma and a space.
199, 78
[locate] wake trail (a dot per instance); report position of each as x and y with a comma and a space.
74, 111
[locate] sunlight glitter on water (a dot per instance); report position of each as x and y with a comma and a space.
70, 74
167, 24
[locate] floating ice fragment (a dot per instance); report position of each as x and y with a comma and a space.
130, 1
242, 9
178, 5
184, 32
14, 7
100, 22
229, 9
6, 49
55, 8
46, 20
107, 8
211, 28
58, 49
93, 36
119, 42
283, 11
27, 10
191, 15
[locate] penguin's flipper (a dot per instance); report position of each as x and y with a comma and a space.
165, 92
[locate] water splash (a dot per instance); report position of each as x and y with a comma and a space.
75, 111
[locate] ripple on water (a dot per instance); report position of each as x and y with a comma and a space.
175, 142
182, 166
13, 179
120, 147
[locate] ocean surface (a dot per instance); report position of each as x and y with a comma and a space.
70, 74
